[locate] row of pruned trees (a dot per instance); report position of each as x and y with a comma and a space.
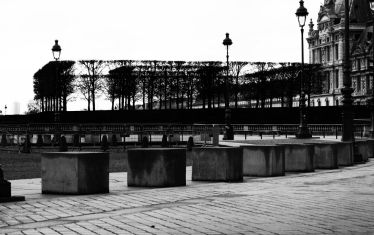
53, 84
153, 84
279, 82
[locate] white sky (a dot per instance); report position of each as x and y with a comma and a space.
140, 29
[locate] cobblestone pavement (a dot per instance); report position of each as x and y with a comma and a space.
324, 202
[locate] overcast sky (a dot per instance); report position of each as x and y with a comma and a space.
140, 29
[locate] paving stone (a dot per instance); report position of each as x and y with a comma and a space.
323, 202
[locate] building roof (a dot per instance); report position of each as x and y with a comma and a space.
359, 10
364, 44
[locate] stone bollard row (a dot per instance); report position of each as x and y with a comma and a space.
86, 173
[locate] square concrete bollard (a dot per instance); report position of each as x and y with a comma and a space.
325, 156
156, 167
69, 139
363, 148
263, 160
217, 164
75, 172
345, 153
371, 148
47, 139
88, 138
299, 157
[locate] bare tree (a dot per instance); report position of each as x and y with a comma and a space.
236, 68
91, 80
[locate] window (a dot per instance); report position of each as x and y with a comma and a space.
336, 78
328, 54
358, 65
337, 102
336, 52
358, 84
328, 86
314, 56
327, 39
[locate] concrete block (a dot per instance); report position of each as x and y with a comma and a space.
75, 172
299, 157
175, 138
364, 148
325, 156
263, 160
47, 139
217, 164
156, 167
92, 138
371, 148
88, 138
345, 153
69, 139
5, 188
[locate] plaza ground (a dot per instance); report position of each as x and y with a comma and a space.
337, 201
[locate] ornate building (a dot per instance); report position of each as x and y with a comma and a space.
326, 47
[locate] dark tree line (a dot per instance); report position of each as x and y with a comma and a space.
53, 84
281, 83
153, 84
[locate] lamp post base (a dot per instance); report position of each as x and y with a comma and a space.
303, 133
228, 134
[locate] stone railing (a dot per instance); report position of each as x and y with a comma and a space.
121, 128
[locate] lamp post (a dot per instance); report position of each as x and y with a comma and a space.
56, 51
347, 83
372, 88
303, 131
5, 110
229, 132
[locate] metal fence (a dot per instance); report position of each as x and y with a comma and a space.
127, 129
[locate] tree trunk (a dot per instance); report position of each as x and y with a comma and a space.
236, 91
133, 94
143, 95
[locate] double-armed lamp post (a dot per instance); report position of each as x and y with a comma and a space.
372, 63
229, 131
347, 122
56, 51
303, 131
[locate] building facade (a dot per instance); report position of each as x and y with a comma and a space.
326, 47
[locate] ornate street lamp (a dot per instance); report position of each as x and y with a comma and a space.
56, 51
303, 131
347, 83
229, 132
372, 88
